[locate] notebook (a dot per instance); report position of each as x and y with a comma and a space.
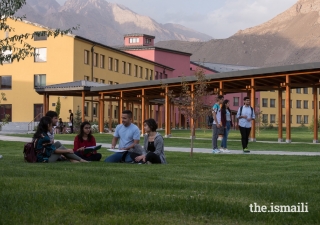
91, 149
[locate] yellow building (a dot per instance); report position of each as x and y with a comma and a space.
63, 59
301, 107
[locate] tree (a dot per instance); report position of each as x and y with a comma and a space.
58, 106
5, 120
77, 119
15, 47
192, 100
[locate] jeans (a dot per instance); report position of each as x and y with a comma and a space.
214, 136
225, 135
245, 132
116, 158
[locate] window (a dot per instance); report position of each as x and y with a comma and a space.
264, 118
40, 55
305, 104
116, 83
4, 110
101, 81
291, 104
95, 109
147, 74
235, 101
37, 112
86, 105
110, 82
299, 119
116, 65
110, 63
95, 59
39, 80
283, 103
5, 82
95, 80
272, 103
86, 77
272, 118
133, 40
157, 73
151, 74
305, 119
298, 104
129, 69
86, 57
7, 55
116, 112
140, 70
298, 90
6, 34
160, 75
283, 119
102, 61
135, 70
264, 102
305, 90
148, 40
40, 36
123, 67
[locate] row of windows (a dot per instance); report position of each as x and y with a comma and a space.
299, 103
102, 81
6, 81
40, 55
300, 119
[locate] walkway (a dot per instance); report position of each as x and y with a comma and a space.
177, 149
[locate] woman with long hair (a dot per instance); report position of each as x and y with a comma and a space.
46, 150
153, 144
226, 121
85, 139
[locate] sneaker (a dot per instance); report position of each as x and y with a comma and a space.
148, 162
215, 151
246, 150
225, 150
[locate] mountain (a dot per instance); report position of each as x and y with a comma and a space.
291, 37
103, 22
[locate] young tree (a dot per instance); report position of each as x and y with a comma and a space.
15, 47
58, 106
192, 101
77, 119
5, 120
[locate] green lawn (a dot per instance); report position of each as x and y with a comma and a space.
180, 139
204, 189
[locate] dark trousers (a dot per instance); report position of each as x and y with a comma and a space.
153, 158
71, 128
245, 132
92, 157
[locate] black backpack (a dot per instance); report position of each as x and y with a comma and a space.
210, 119
29, 152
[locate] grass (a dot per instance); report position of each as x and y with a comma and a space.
204, 189
179, 139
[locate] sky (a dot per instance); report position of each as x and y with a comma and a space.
217, 18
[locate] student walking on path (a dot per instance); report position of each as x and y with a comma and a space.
226, 122
245, 115
215, 124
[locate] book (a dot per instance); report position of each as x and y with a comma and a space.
91, 149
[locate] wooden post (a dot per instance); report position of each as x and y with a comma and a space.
47, 102
193, 133
160, 116
315, 114
143, 110
101, 114
110, 117
167, 114
83, 108
179, 113
44, 104
288, 110
253, 103
120, 107
280, 138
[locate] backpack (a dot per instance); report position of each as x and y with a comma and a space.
29, 152
210, 119
251, 110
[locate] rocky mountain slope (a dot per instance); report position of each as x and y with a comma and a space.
104, 22
292, 37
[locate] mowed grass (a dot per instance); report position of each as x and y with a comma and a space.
204, 189
181, 138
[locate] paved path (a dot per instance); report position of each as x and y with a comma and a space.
177, 149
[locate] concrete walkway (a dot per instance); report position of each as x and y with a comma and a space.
179, 149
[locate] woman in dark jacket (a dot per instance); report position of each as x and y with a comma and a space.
226, 121
153, 144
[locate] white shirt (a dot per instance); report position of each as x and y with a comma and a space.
246, 111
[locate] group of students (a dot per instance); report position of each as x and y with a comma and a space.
222, 119
127, 133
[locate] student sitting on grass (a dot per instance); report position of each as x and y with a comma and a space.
153, 144
85, 139
46, 150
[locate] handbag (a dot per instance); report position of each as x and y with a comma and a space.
221, 130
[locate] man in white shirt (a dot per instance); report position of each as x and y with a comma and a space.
245, 115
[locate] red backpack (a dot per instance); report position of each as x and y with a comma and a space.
29, 152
